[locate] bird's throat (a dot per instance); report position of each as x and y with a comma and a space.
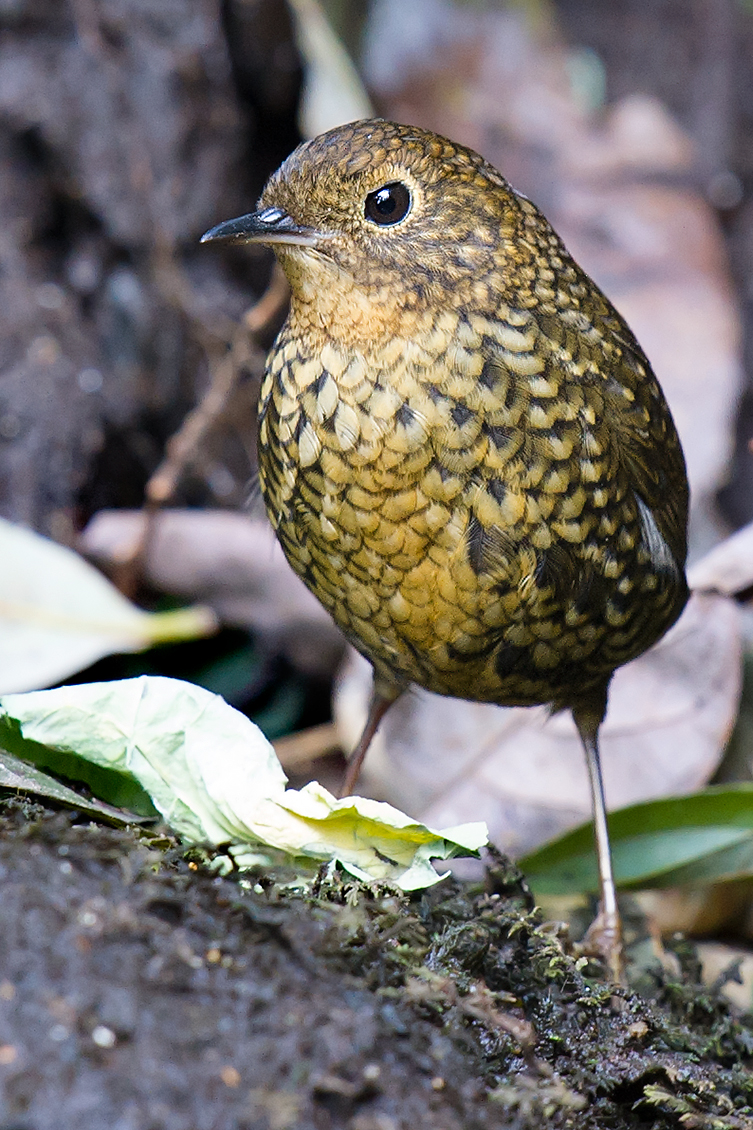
325, 298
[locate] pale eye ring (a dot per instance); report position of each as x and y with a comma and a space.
389, 204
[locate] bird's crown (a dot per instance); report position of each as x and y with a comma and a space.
383, 196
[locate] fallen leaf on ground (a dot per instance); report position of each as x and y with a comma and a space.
215, 778
19, 776
233, 563
731, 968
714, 910
58, 614
728, 567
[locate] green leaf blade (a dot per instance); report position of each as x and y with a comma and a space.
19, 776
698, 839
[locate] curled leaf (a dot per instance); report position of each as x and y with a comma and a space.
215, 778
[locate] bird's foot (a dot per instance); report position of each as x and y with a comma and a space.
603, 940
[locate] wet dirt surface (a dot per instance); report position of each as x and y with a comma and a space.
140, 993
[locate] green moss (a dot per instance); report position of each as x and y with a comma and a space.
552, 1041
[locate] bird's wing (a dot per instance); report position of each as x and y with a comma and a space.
577, 410
646, 441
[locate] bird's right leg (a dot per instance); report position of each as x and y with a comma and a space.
382, 698
605, 933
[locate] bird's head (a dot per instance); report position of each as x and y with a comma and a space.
384, 217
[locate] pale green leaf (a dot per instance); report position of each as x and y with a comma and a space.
369, 838
215, 778
58, 614
164, 733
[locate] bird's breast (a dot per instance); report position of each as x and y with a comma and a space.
456, 504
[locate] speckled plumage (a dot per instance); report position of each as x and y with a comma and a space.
463, 449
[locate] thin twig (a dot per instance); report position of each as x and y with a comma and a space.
297, 750
230, 348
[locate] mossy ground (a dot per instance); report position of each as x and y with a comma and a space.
140, 993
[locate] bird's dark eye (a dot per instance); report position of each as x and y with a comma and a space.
389, 204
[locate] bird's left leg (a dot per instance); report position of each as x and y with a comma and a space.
382, 698
605, 932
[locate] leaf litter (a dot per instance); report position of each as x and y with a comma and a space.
457, 1002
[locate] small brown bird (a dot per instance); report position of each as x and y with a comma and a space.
462, 447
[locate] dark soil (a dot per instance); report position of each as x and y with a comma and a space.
140, 992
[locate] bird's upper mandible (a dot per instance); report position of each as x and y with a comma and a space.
411, 218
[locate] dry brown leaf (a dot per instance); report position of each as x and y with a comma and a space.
236, 562
662, 265
670, 714
717, 959
637, 134
728, 568
715, 910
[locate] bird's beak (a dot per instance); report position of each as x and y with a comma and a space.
269, 225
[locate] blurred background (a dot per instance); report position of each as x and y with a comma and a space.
130, 356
